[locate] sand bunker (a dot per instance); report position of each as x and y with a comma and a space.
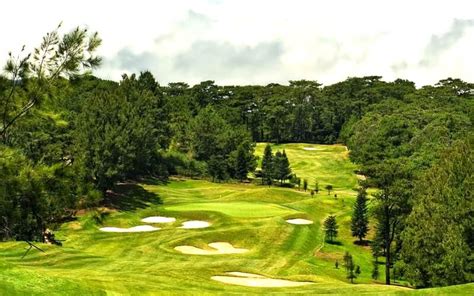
219, 248
158, 219
141, 228
310, 148
193, 224
299, 221
255, 280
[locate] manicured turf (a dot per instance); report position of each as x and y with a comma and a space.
235, 209
326, 164
248, 216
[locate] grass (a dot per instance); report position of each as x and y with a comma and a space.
236, 209
326, 164
249, 216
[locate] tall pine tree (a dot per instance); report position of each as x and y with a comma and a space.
241, 168
360, 220
267, 165
281, 167
330, 228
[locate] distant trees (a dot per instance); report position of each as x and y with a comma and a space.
267, 165
245, 161
330, 228
217, 167
305, 184
281, 166
316, 187
360, 220
275, 166
328, 188
207, 132
375, 271
214, 141
352, 270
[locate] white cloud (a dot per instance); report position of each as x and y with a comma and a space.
238, 42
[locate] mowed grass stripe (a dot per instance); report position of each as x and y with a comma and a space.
235, 209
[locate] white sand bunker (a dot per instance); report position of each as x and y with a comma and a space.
219, 248
299, 221
310, 148
158, 219
140, 228
255, 280
193, 224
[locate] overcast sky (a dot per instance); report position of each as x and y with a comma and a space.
257, 42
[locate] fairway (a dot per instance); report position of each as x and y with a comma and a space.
248, 234
326, 164
236, 209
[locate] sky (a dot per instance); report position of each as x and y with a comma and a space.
260, 42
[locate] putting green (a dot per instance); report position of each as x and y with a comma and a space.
236, 209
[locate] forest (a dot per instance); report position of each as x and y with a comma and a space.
67, 137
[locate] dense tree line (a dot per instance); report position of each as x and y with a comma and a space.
399, 144
67, 137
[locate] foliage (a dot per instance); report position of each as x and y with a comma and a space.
34, 197
331, 228
267, 165
360, 219
329, 188
438, 240
281, 167
352, 270
375, 271
58, 56
116, 133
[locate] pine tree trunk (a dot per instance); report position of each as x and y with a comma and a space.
387, 247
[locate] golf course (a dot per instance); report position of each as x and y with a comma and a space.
201, 237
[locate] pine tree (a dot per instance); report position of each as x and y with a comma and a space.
217, 167
316, 186
241, 163
281, 167
351, 269
375, 271
285, 170
360, 221
330, 227
267, 165
329, 188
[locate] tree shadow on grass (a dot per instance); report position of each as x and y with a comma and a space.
154, 181
337, 243
129, 197
363, 243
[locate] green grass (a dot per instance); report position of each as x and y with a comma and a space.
236, 209
328, 164
249, 216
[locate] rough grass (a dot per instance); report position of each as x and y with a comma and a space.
249, 216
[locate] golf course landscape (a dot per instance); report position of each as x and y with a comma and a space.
248, 219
